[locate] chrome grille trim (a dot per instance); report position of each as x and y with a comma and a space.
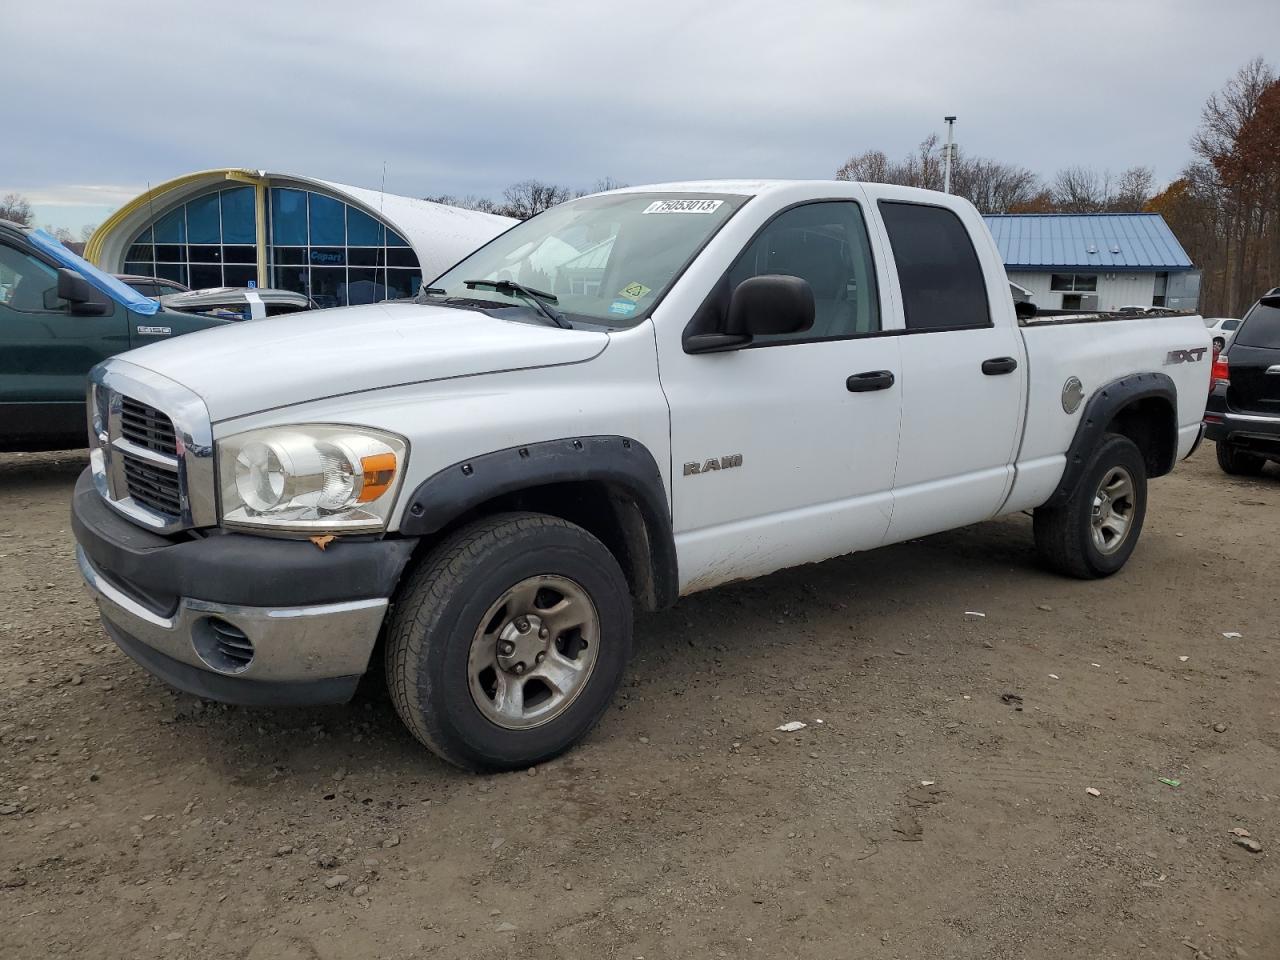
151, 448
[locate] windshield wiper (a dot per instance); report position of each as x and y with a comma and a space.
538, 298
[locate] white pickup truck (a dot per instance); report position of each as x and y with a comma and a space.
627, 399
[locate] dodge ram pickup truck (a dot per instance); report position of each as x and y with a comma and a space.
629, 398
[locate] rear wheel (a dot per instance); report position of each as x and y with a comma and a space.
508, 641
1237, 462
1095, 531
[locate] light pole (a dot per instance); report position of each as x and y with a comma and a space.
946, 176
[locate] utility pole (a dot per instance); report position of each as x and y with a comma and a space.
946, 177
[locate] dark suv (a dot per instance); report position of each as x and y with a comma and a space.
1243, 414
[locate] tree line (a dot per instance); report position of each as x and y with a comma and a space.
17, 209
1225, 205
997, 187
525, 199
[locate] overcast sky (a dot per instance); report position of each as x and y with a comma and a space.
103, 98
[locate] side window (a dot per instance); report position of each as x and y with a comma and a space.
941, 277
826, 244
27, 284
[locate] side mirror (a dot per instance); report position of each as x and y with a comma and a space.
83, 296
770, 304
1024, 309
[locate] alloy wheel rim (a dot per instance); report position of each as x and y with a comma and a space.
533, 652
1113, 510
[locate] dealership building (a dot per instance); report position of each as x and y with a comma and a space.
338, 243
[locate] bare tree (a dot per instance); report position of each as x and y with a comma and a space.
530, 197
1080, 190
1132, 190
87, 231
17, 208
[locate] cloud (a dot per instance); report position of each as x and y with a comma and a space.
79, 195
467, 98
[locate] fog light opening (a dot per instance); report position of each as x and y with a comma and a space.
222, 646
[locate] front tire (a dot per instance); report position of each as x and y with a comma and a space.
508, 641
1237, 463
1093, 534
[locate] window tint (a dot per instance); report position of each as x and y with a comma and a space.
941, 278
1261, 327
825, 244
26, 283
1230, 324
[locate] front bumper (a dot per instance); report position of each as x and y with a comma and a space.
238, 618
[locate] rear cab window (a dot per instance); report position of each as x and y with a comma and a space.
938, 268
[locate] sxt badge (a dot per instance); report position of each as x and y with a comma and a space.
1185, 356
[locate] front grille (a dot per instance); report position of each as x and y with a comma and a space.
147, 427
152, 486
152, 456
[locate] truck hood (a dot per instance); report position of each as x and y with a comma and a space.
242, 368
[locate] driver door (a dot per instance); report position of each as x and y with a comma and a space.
781, 455
45, 351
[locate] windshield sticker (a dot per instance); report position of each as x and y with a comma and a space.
623, 307
633, 291
683, 206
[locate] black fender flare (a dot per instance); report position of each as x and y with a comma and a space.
1103, 405
622, 464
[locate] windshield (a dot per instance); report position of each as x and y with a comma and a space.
605, 259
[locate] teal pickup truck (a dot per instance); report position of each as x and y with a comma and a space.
60, 315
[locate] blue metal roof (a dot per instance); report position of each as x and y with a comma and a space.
1124, 241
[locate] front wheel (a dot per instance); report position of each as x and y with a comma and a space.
508, 641
1095, 531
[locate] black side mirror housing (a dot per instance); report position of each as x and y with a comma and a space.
1024, 309
83, 296
759, 306
770, 304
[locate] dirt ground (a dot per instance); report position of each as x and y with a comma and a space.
918, 815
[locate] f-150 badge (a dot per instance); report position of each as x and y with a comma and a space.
1185, 356
713, 464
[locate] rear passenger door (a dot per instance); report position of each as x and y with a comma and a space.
963, 372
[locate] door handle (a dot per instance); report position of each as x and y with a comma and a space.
998, 365
870, 380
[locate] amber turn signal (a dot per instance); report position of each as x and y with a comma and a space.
379, 471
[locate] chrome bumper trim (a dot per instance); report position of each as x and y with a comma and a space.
294, 644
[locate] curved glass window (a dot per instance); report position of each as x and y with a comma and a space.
209, 241
336, 253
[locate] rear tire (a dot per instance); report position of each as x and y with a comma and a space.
1236, 462
1094, 532
508, 641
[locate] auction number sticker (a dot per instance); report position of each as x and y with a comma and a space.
683, 206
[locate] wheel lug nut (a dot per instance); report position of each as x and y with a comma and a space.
508, 648
522, 625
519, 668
544, 633
541, 657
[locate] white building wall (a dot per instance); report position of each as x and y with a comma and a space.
1115, 290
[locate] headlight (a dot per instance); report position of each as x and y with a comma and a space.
312, 478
